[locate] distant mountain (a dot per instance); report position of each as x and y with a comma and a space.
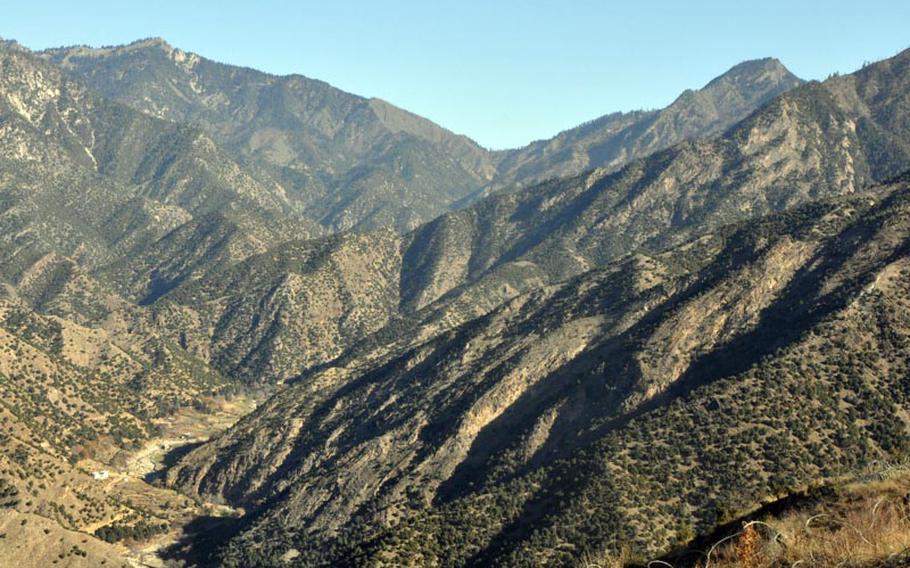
687, 299
350, 161
611, 141
363, 163
820, 139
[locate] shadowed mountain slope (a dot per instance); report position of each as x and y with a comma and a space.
645, 388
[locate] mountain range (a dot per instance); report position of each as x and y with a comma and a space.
466, 262
490, 420
361, 163
600, 345
636, 405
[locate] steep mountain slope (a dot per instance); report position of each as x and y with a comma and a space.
295, 306
835, 340
352, 162
613, 140
627, 407
814, 141
93, 183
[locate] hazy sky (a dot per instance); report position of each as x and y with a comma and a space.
503, 72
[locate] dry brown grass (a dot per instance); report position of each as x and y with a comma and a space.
868, 525
606, 559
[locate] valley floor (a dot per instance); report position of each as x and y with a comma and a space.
182, 432
33, 541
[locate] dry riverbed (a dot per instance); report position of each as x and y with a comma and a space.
189, 427
131, 472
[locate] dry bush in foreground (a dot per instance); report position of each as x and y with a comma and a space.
868, 526
607, 559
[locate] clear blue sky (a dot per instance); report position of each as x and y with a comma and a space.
503, 72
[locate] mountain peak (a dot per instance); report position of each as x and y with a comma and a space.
747, 73
758, 63
150, 42
612, 140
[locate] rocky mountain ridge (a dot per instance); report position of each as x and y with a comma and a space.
350, 162
611, 141
354, 162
